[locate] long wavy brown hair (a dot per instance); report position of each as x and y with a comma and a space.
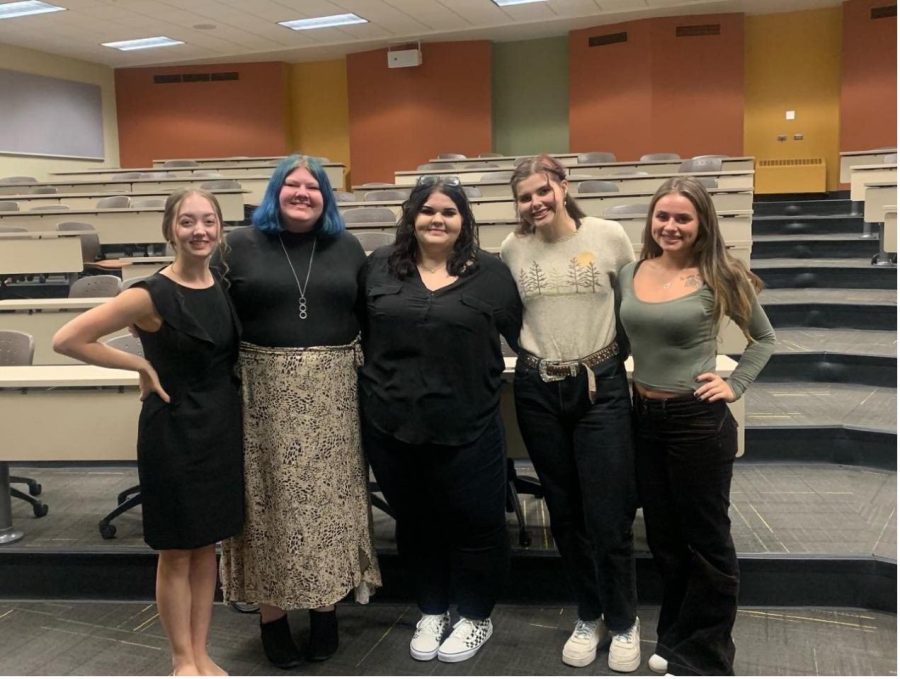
733, 285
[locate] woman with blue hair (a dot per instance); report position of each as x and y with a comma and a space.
307, 537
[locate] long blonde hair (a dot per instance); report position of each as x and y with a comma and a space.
733, 285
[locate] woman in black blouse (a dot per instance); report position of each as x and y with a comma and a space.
429, 395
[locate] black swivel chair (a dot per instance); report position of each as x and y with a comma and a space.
17, 348
130, 497
517, 484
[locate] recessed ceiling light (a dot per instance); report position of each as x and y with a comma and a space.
506, 3
324, 22
20, 9
142, 43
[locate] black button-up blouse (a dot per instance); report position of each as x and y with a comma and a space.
433, 363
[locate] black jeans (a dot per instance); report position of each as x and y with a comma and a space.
685, 450
450, 506
582, 453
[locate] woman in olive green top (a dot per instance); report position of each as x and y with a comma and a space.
673, 301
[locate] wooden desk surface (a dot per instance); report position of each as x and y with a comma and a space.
254, 186
101, 424
39, 235
64, 376
335, 171
50, 304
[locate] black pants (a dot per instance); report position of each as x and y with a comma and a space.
450, 506
582, 453
685, 450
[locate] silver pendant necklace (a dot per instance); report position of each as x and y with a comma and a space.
302, 312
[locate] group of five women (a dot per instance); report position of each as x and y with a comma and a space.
395, 360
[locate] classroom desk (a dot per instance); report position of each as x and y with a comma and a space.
889, 244
42, 317
877, 196
234, 161
144, 266
736, 228
515, 447
40, 252
86, 413
850, 159
94, 414
733, 179
254, 187
570, 160
230, 200
861, 175
502, 207
114, 226
335, 171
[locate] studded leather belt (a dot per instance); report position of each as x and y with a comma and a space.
555, 371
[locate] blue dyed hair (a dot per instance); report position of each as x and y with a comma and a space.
267, 216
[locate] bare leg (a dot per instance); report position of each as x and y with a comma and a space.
173, 601
268, 612
203, 588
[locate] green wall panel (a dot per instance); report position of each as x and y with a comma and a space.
531, 96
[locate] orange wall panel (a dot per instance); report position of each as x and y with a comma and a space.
610, 92
868, 78
658, 92
245, 117
401, 117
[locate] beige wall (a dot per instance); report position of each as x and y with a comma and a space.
52, 66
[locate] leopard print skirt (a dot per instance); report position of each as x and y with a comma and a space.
307, 537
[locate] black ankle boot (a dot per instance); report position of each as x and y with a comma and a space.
323, 635
278, 644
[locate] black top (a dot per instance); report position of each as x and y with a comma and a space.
265, 292
433, 363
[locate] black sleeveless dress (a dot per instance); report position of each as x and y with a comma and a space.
190, 460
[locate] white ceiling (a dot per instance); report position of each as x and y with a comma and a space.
221, 31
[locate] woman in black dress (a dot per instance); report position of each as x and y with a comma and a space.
189, 432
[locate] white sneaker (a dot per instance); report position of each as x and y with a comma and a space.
430, 632
658, 664
466, 638
625, 649
581, 648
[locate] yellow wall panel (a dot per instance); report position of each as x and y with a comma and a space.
792, 62
319, 112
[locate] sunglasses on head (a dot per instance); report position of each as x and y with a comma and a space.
427, 180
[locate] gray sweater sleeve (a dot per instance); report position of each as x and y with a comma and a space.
757, 353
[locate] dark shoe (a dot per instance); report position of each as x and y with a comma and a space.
323, 635
278, 644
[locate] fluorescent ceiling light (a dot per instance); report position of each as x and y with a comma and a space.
142, 43
324, 22
20, 9
506, 3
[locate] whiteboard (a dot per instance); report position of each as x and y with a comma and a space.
50, 117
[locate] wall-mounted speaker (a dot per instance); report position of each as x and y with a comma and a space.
404, 58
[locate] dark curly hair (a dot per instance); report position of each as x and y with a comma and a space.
402, 260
